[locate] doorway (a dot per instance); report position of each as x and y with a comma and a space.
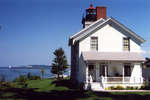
92, 71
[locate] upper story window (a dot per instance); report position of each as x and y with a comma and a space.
126, 44
94, 43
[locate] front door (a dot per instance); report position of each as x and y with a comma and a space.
92, 71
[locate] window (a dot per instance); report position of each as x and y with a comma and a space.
127, 70
94, 43
126, 44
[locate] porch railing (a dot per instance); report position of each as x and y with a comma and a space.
122, 80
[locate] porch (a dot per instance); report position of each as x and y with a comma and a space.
113, 68
101, 75
122, 80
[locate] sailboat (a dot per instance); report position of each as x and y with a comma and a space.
9, 66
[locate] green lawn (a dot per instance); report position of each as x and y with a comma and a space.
52, 89
45, 85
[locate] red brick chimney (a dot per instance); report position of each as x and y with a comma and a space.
100, 12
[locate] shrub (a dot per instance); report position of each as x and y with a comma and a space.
117, 87
3, 78
6, 85
144, 83
108, 88
35, 77
25, 85
148, 87
145, 88
32, 77
42, 72
128, 88
131, 88
21, 79
112, 88
29, 75
120, 87
136, 88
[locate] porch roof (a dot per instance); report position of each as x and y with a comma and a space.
112, 56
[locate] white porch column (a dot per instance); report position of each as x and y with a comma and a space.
97, 72
123, 73
105, 73
137, 73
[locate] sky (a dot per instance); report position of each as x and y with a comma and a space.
31, 30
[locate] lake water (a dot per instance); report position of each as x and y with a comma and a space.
11, 74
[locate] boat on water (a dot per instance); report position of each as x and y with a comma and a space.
29, 66
9, 66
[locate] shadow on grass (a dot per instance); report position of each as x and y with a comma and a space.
122, 96
30, 94
65, 83
71, 94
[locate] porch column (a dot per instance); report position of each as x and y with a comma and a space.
137, 73
97, 72
105, 73
87, 72
123, 73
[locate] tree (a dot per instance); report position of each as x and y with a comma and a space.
43, 72
29, 75
3, 78
60, 63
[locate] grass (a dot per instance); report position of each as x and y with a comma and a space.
45, 85
41, 85
63, 90
129, 93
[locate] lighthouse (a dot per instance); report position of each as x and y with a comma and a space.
93, 14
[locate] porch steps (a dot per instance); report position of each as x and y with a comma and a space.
96, 86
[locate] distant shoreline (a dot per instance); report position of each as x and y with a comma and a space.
24, 68
27, 67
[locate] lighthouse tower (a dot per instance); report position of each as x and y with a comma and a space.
93, 14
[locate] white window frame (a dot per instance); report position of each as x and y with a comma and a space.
94, 44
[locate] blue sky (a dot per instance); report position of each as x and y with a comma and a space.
33, 29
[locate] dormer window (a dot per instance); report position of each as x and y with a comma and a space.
126, 44
94, 43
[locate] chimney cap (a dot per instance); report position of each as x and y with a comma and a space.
101, 7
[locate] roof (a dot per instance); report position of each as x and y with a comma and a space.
99, 24
94, 24
112, 56
147, 62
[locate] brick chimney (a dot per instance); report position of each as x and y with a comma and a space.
100, 12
